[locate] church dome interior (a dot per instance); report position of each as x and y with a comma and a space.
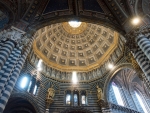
84, 49
74, 56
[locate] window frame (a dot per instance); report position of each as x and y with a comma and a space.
77, 93
142, 99
83, 93
68, 92
114, 85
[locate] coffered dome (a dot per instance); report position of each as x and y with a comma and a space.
81, 48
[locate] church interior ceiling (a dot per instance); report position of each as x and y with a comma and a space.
75, 49
37, 14
47, 20
104, 38
62, 74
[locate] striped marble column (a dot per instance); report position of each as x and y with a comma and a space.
144, 43
14, 74
8, 67
1, 44
5, 51
146, 82
143, 62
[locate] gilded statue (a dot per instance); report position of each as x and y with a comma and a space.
50, 93
99, 93
49, 97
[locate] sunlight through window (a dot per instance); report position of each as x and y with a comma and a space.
35, 88
141, 103
39, 66
83, 99
24, 82
117, 94
74, 24
68, 97
29, 86
74, 77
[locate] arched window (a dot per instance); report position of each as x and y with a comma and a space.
68, 97
24, 81
140, 102
29, 83
83, 97
35, 90
125, 90
76, 98
29, 86
117, 94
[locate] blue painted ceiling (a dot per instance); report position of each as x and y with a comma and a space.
55, 5
92, 5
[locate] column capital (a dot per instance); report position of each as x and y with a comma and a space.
16, 35
13, 34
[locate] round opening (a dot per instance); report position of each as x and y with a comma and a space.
74, 24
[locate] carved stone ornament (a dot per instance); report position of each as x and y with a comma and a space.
23, 42
13, 34
16, 35
49, 96
134, 62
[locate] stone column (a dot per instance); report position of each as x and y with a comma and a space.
5, 72
72, 98
144, 43
38, 87
5, 51
142, 61
12, 67
146, 81
79, 99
